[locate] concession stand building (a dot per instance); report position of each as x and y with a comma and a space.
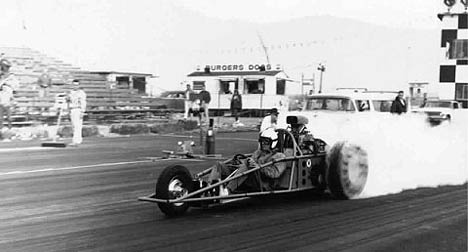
262, 88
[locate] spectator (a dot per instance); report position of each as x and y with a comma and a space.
77, 106
424, 102
188, 101
8, 84
236, 105
399, 104
270, 121
265, 153
44, 83
205, 102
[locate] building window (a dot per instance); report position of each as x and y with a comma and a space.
461, 91
123, 82
254, 86
198, 85
458, 49
280, 87
227, 86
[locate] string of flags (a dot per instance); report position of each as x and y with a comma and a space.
271, 47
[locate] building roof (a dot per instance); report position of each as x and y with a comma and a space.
234, 73
123, 73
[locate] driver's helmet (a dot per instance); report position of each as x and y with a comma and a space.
269, 135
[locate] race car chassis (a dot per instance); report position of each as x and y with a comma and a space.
190, 196
310, 165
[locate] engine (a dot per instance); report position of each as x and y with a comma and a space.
306, 141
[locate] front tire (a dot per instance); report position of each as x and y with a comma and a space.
174, 182
347, 170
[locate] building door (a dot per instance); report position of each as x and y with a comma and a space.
139, 83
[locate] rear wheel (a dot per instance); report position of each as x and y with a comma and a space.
174, 182
347, 170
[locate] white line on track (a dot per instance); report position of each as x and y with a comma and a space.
218, 138
80, 167
25, 149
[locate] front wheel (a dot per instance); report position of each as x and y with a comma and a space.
174, 182
347, 170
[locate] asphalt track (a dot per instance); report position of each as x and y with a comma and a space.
85, 199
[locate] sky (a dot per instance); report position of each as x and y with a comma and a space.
144, 35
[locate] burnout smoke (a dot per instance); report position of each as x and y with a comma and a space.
404, 152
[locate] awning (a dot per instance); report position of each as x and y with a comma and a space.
228, 79
254, 78
288, 79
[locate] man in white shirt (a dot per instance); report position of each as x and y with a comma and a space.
77, 106
8, 84
270, 121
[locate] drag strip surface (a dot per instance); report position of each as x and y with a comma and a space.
95, 208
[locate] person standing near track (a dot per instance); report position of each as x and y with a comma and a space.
399, 104
187, 101
77, 106
270, 121
205, 102
8, 84
236, 105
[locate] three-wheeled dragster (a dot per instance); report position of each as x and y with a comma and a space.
310, 164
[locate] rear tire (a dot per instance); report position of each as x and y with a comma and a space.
347, 170
174, 182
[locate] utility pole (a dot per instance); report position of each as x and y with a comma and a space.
302, 85
321, 68
265, 50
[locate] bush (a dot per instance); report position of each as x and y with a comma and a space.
173, 127
87, 131
130, 129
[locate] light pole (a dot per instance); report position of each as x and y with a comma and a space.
321, 68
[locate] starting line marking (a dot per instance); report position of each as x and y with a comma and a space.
77, 167
26, 149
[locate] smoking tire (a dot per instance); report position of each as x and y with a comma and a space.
174, 182
347, 170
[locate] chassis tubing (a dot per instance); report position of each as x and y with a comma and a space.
231, 196
202, 190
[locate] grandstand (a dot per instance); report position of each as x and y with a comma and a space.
105, 97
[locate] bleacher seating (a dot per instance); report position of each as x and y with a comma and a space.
104, 97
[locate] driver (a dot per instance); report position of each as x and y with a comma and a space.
265, 153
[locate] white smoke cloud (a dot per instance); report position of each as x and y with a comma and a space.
404, 152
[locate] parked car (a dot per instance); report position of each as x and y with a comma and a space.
171, 100
329, 112
173, 94
439, 111
350, 102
